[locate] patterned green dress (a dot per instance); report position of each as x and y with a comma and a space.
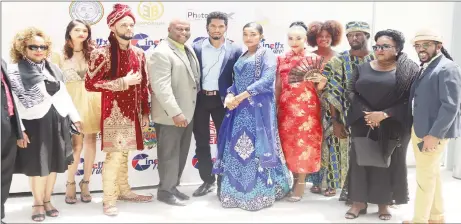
335, 158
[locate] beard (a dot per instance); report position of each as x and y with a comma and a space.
216, 37
429, 57
357, 46
123, 36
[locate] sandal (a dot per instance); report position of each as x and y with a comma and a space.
132, 197
40, 217
85, 198
329, 192
350, 215
383, 212
316, 189
294, 198
71, 199
51, 213
110, 210
385, 217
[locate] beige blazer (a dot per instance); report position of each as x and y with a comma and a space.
174, 81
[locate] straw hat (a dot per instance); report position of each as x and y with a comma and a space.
427, 34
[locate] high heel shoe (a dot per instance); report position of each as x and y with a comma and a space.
363, 211
71, 199
40, 217
52, 212
85, 198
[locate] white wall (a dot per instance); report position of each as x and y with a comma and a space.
275, 17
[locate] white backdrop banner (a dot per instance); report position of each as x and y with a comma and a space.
152, 20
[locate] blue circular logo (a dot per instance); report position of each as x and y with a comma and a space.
142, 162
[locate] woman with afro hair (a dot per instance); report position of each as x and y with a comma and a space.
324, 36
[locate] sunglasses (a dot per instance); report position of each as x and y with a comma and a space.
384, 47
36, 47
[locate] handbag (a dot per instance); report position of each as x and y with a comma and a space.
370, 153
73, 129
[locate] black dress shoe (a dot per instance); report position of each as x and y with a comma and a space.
170, 199
180, 195
204, 189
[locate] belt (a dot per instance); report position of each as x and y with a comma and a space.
210, 93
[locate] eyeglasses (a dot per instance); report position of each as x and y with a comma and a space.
425, 46
384, 47
36, 47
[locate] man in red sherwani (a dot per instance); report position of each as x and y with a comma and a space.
118, 72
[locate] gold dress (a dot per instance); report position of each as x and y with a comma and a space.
87, 103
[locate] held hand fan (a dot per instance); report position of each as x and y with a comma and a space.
305, 68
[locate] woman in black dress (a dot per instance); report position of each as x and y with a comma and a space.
46, 110
378, 93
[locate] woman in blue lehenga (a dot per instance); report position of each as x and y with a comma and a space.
250, 158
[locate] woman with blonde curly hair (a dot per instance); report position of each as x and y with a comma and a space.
74, 64
324, 36
48, 116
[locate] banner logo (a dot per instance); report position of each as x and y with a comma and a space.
150, 11
97, 168
150, 136
90, 12
142, 162
195, 161
276, 47
194, 15
143, 41
213, 134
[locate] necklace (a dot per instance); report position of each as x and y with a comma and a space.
78, 51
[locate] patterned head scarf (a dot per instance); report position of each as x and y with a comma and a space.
357, 26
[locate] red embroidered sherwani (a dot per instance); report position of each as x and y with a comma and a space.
122, 105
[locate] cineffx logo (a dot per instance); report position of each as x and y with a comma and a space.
142, 162
276, 47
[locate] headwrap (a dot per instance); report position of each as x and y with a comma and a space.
357, 26
119, 12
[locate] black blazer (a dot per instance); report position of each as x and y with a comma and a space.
4, 103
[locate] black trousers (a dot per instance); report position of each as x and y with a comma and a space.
206, 106
9, 149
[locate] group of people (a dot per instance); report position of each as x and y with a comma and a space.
341, 120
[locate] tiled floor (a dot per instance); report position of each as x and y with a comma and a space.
207, 209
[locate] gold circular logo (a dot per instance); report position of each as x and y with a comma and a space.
150, 10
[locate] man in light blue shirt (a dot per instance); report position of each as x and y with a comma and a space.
217, 57
212, 60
